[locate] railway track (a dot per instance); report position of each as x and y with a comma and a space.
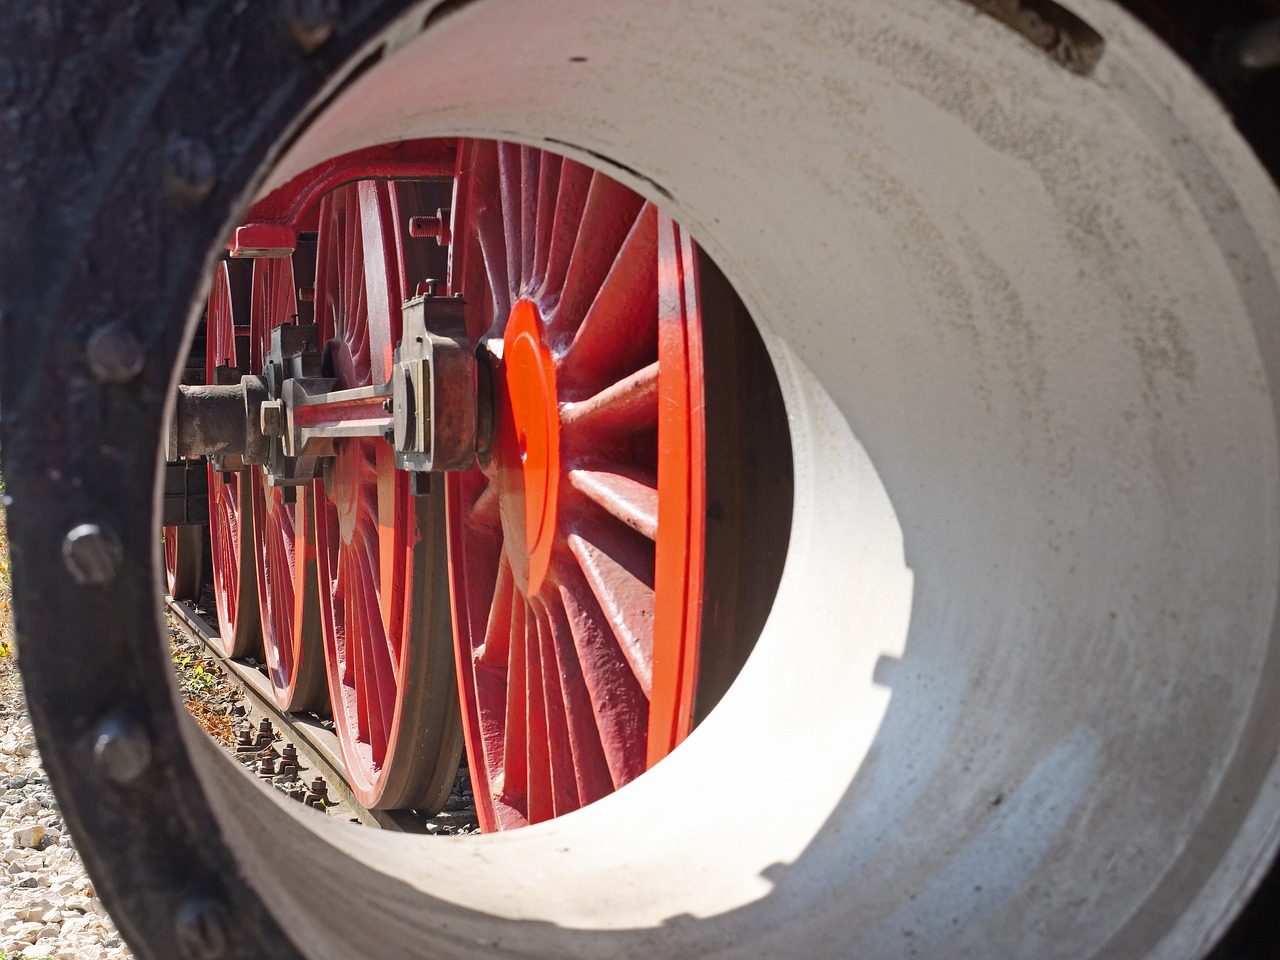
318, 752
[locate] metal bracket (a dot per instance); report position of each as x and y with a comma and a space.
186, 494
288, 420
434, 388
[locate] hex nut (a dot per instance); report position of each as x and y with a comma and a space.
271, 417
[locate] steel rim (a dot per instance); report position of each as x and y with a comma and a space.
184, 562
284, 547
380, 597
575, 551
230, 504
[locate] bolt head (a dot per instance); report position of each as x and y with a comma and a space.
311, 22
201, 928
122, 749
191, 171
115, 355
272, 418
92, 555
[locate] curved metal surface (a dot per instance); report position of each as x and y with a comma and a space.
380, 549
166, 181
576, 549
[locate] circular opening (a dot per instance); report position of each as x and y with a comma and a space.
595, 580
1017, 708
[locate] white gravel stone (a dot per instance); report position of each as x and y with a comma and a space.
48, 909
29, 836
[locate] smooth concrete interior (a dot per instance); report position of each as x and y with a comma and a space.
1012, 700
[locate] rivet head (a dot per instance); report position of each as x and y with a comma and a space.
311, 22
201, 928
115, 355
92, 555
191, 172
121, 749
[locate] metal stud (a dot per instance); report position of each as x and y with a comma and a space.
115, 355
122, 749
92, 555
311, 22
191, 172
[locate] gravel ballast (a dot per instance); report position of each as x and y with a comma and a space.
48, 908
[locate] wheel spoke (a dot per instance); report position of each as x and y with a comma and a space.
539, 791
513, 788
628, 406
564, 787
571, 198
608, 218
484, 510
629, 495
497, 636
510, 172
548, 191
621, 580
491, 228
590, 769
619, 332
618, 701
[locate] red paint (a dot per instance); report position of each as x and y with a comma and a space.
366, 528
682, 453
281, 531
227, 522
273, 223
529, 440
565, 549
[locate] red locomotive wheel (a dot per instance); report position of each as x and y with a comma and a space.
381, 550
576, 551
230, 505
288, 597
184, 562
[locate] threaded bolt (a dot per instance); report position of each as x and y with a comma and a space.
432, 228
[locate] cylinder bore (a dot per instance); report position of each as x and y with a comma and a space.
953, 654
1020, 651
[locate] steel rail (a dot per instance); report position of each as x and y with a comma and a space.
317, 746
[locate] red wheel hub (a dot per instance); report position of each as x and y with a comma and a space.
527, 445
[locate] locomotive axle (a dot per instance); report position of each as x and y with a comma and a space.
435, 410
